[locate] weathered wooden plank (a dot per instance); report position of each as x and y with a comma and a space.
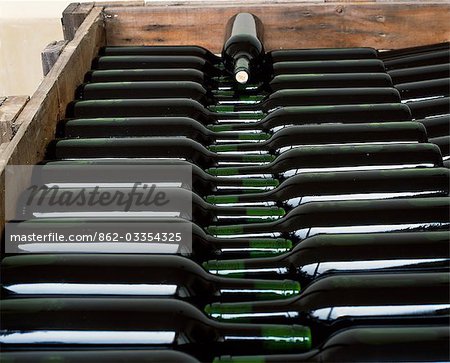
72, 17
382, 25
48, 104
120, 3
50, 54
10, 107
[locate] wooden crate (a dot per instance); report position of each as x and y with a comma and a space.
287, 23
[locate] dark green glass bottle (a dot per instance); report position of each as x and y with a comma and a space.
427, 88
307, 115
417, 74
152, 126
169, 107
137, 201
155, 62
364, 133
402, 52
147, 147
314, 97
97, 356
347, 185
432, 107
416, 60
292, 55
243, 49
329, 66
138, 323
151, 75
172, 50
201, 183
375, 344
130, 275
437, 125
415, 214
313, 81
202, 247
324, 255
444, 144
341, 158
341, 301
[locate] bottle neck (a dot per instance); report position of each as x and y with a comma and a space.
230, 214
266, 169
239, 158
312, 356
248, 247
260, 147
271, 267
254, 339
247, 137
244, 229
236, 289
260, 199
245, 184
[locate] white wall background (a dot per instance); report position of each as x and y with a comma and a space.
26, 27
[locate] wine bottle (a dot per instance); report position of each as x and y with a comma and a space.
428, 88
151, 126
217, 100
358, 157
243, 50
203, 246
101, 275
417, 74
382, 344
138, 323
347, 185
222, 86
147, 147
144, 90
341, 301
158, 50
155, 62
202, 183
437, 125
295, 55
427, 108
395, 53
329, 66
169, 107
444, 144
150, 75
324, 255
416, 60
314, 81
306, 115
314, 97
98, 356
364, 133
409, 214
144, 200
330, 80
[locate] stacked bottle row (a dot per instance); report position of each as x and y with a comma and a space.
319, 216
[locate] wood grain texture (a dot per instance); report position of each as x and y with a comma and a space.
50, 54
10, 108
72, 17
382, 25
48, 104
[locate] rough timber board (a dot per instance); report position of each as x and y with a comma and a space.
39, 117
72, 18
383, 25
10, 107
